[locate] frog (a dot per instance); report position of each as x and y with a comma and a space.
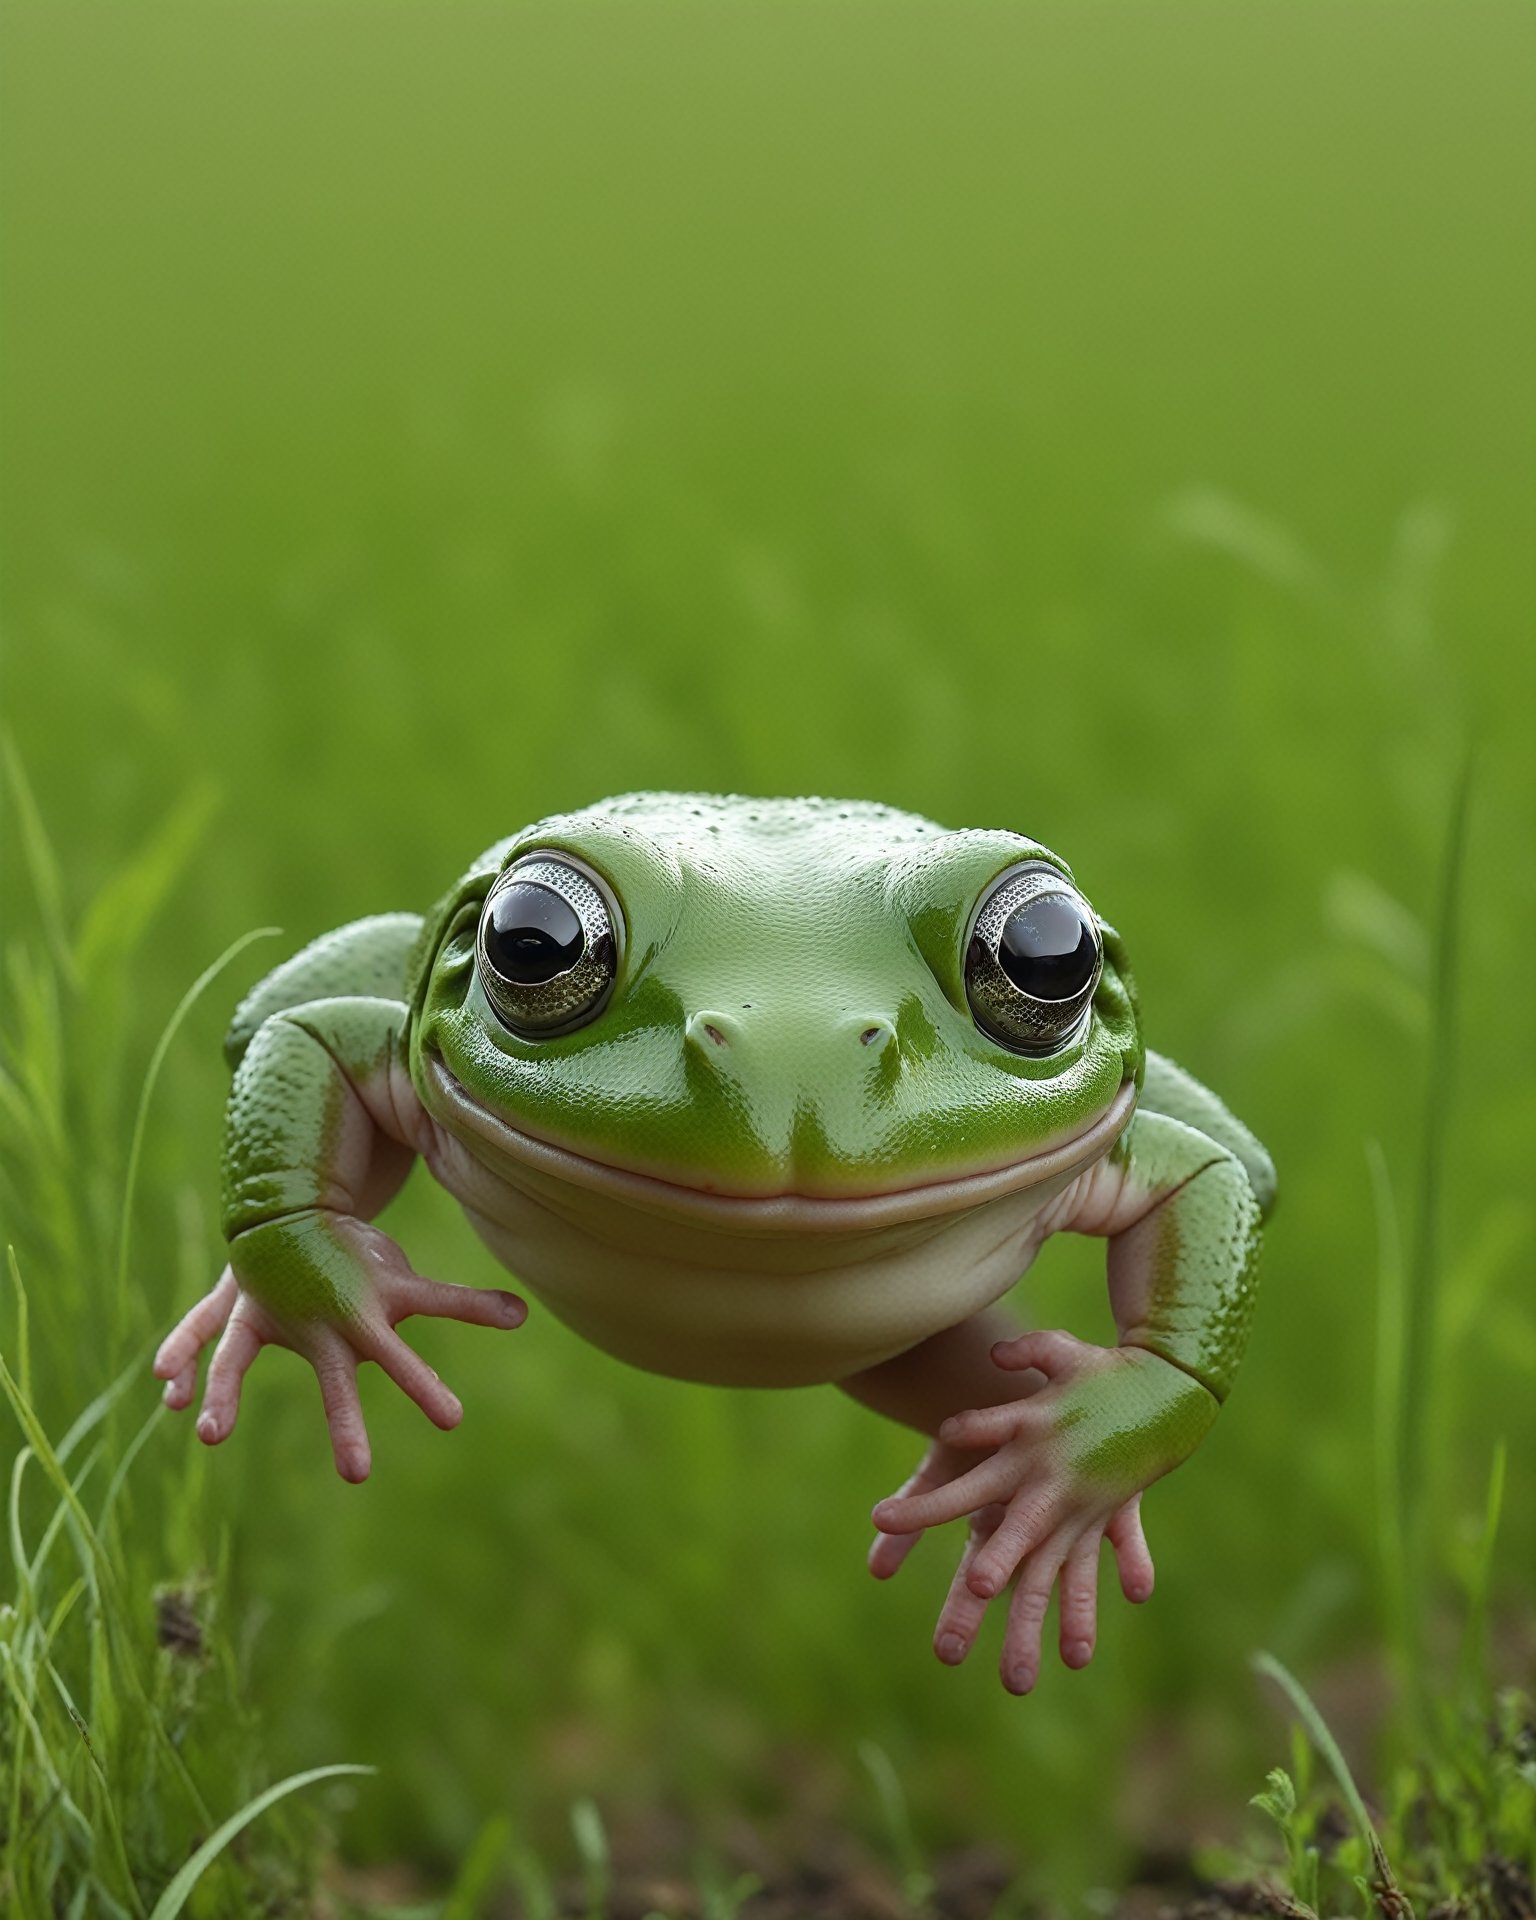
762, 1093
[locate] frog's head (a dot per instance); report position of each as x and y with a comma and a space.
776, 1002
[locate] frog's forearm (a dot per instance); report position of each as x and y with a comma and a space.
1183, 1226
315, 1114
323, 1123
1184, 1249
1183, 1280
944, 1375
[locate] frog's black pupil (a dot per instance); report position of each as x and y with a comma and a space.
1048, 948
532, 934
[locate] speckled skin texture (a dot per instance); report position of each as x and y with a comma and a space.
783, 1151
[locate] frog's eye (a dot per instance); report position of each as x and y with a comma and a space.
1033, 960
548, 947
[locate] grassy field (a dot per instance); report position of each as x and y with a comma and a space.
1114, 423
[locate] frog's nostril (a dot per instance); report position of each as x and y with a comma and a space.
710, 1029
877, 1033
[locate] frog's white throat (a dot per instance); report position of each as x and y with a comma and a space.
783, 1290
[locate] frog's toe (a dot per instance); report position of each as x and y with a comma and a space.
414, 1377
980, 1427
221, 1397
887, 1551
206, 1321
1080, 1600
1020, 1665
964, 1610
477, 1306
181, 1388
336, 1370
1132, 1554
1028, 1520
939, 1465
912, 1512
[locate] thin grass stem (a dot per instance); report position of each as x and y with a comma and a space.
174, 1898
99, 1569
1421, 1291
1390, 1896
146, 1093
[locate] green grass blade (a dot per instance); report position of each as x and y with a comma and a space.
117, 919
41, 864
592, 1846
175, 1895
62, 1611
473, 1880
1420, 1302
27, 1718
96, 1411
917, 1881
1207, 517
1391, 1545
21, 1563
534, 1888
55, 1525
107, 1801
162, 1046
23, 1326
120, 1472
1320, 1736
1473, 1663
98, 1568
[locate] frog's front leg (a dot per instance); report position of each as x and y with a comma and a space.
1063, 1462
323, 1127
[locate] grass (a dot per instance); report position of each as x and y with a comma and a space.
105, 1736
1457, 1830
1113, 424
113, 1745
1460, 1813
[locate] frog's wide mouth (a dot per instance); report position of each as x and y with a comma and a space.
788, 1212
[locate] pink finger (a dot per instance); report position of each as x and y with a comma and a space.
181, 1391
911, 1513
984, 1426
1080, 1600
476, 1306
1049, 1349
337, 1373
1133, 1557
887, 1551
962, 1613
1020, 1666
414, 1377
221, 1397
1028, 1520
204, 1322
932, 1471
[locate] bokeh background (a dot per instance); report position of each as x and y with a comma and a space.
1112, 422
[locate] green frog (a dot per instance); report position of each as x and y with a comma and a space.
762, 1093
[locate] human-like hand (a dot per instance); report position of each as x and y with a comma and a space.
333, 1289
1063, 1469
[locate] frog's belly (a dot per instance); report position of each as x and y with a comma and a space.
745, 1309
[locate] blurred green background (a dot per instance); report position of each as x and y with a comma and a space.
1112, 422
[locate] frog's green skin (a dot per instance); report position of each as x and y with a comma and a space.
784, 1152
